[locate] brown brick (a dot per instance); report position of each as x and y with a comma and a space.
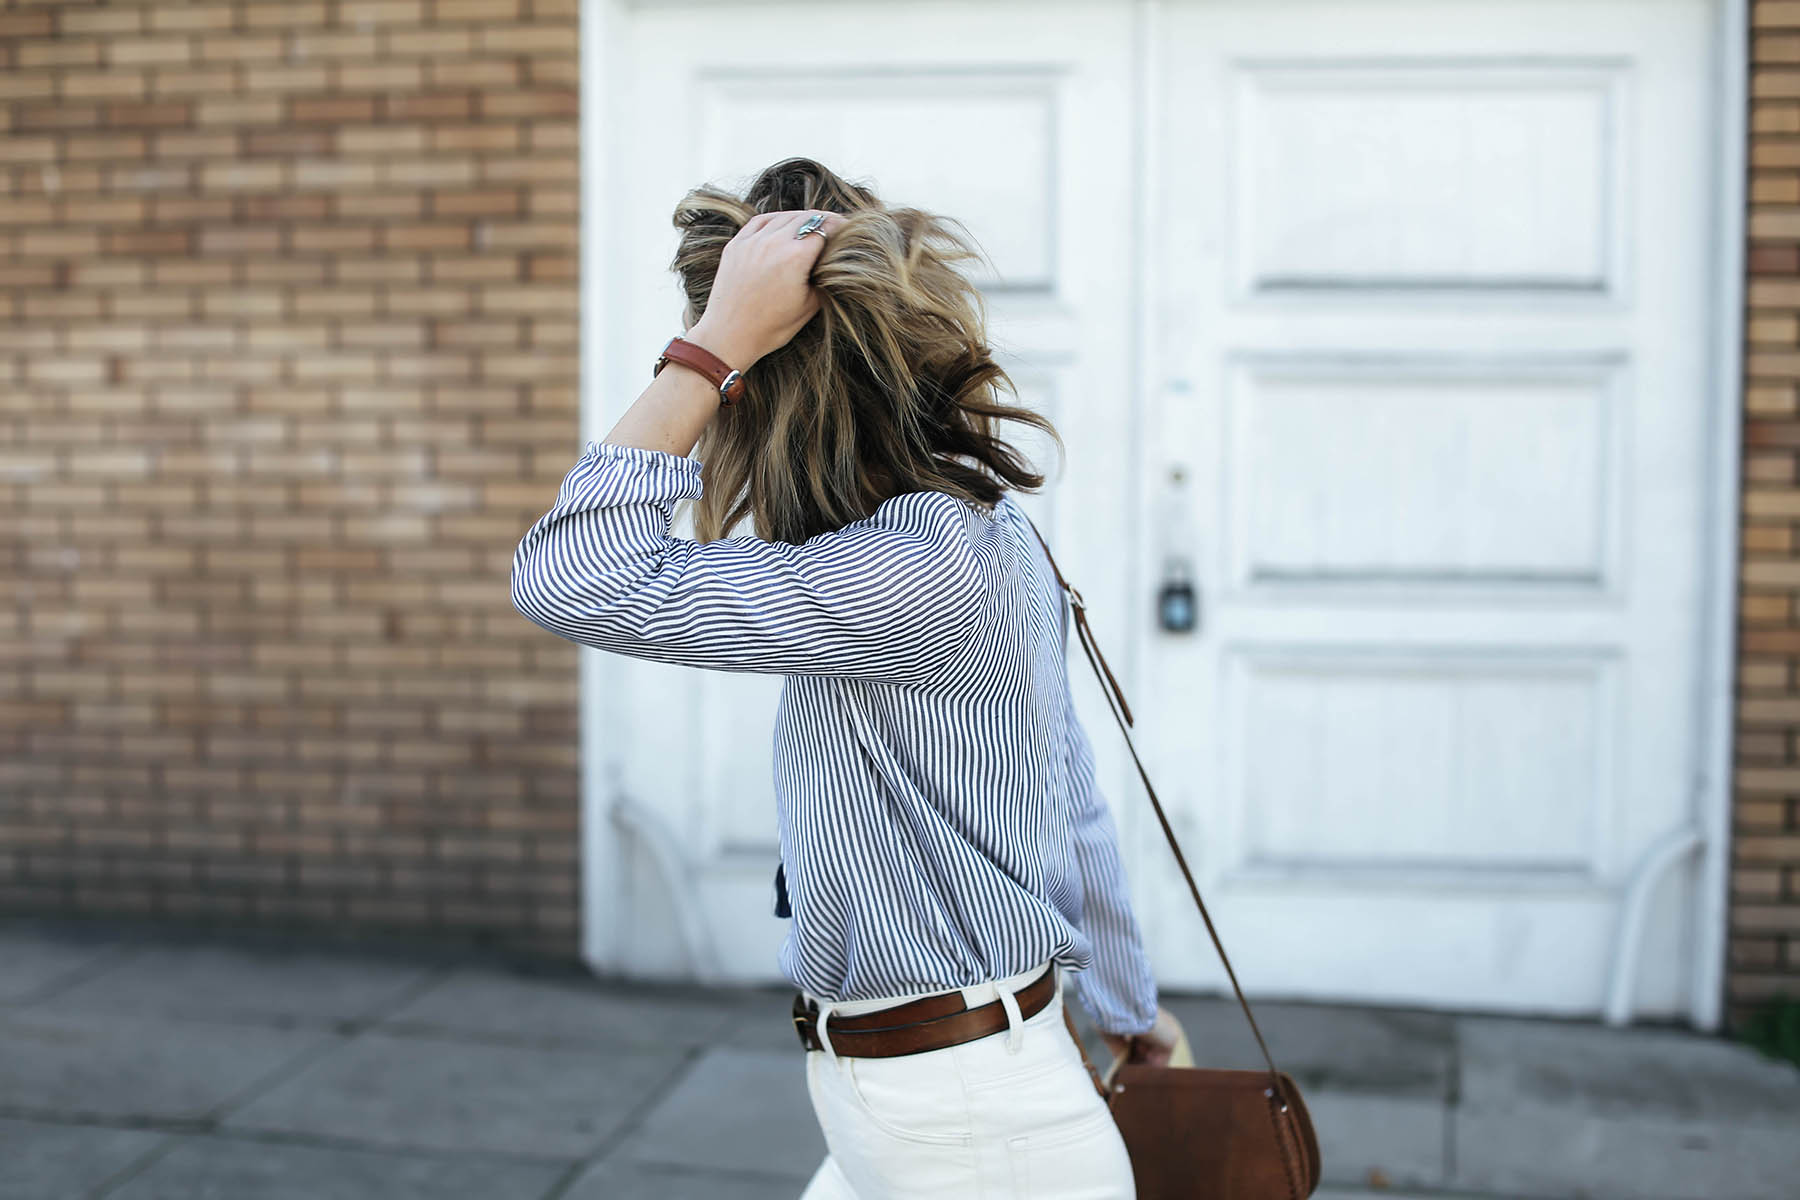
480, 74
334, 110
336, 44
191, 81
58, 52
431, 106
150, 242
138, 51
241, 48
190, 16
290, 77
431, 43
521, 39
284, 143
55, 116
191, 145
238, 110
160, 113
383, 76
453, 235
483, 11
124, 19
561, 102
286, 14
475, 137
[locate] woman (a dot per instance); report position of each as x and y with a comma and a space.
949, 853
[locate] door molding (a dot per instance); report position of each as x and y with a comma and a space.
601, 36
1718, 657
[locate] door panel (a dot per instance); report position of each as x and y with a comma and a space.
1013, 128
1429, 295
1480, 173
1364, 474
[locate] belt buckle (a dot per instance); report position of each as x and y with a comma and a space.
802, 1014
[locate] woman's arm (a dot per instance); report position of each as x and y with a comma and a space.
1118, 990
891, 597
760, 299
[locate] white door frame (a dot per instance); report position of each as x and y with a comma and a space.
1718, 658
606, 364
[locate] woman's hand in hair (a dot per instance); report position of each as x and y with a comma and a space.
762, 294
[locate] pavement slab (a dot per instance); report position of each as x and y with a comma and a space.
1623, 1072
634, 1181
88, 1066
762, 1019
36, 959
1379, 1141
440, 1094
1549, 1153
42, 1161
1555, 1108
735, 1110
565, 1007
260, 984
225, 1168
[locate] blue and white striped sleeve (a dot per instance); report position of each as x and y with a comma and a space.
1118, 989
891, 597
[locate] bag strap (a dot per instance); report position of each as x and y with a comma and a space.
1122, 714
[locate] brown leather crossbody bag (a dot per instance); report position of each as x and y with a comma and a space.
1199, 1132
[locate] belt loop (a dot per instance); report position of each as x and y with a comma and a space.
1015, 1024
826, 1007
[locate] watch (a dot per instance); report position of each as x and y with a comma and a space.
728, 379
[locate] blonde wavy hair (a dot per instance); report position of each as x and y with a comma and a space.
890, 388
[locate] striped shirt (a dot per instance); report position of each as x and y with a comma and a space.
937, 810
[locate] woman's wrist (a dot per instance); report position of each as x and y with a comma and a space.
727, 342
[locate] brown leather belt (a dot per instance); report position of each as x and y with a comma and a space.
928, 1023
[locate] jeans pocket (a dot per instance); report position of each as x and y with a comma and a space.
915, 1098
1080, 1159
889, 1142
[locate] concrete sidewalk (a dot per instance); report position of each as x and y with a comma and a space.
134, 1067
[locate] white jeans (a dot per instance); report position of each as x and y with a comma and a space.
979, 1121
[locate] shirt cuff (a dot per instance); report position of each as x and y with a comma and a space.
655, 473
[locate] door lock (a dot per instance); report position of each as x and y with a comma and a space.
1177, 604
1177, 598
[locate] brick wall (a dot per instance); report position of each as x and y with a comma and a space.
1764, 944
288, 360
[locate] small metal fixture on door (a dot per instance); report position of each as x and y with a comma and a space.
1177, 606
1177, 599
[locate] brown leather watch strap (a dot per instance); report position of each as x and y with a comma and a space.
928, 1023
724, 376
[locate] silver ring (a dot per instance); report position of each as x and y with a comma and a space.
811, 225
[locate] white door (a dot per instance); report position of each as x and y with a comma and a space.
1412, 294
1013, 119
1430, 320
